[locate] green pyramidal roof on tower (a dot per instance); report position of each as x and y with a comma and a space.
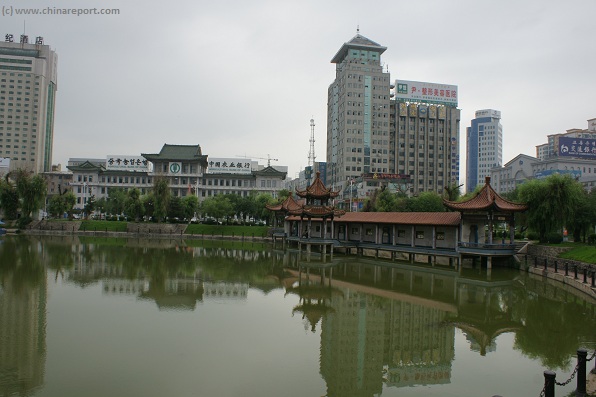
358, 42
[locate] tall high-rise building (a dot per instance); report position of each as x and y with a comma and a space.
28, 84
410, 143
424, 148
484, 147
357, 113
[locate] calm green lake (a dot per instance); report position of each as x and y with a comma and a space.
129, 317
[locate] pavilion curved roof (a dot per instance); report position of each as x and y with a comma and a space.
288, 205
316, 211
486, 199
317, 190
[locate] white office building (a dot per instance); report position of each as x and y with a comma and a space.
484, 147
28, 84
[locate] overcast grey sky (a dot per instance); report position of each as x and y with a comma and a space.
245, 77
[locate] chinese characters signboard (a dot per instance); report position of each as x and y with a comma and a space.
228, 166
577, 147
128, 163
387, 176
546, 173
417, 91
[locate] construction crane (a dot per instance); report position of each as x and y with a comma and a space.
268, 158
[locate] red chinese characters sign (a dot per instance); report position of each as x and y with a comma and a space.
418, 91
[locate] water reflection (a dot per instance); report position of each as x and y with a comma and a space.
23, 294
381, 324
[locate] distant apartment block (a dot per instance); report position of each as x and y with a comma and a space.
572, 153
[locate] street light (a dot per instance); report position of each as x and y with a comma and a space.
351, 193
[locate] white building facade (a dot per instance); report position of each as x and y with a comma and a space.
358, 111
28, 85
484, 147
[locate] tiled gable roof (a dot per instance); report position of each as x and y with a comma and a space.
288, 205
86, 166
270, 171
317, 190
486, 199
177, 152
404, 218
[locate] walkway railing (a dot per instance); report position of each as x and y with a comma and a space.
585, 273
486, 246
580, 372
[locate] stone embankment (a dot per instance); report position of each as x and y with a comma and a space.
544, 261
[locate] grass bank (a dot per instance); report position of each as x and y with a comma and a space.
227, 230
110, 226
580, 252
193, 229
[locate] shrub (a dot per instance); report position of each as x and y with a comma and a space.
554, 238
592, 238
23, 221
519, 236
532, 235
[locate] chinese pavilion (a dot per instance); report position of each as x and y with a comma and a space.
316, 197
482, 212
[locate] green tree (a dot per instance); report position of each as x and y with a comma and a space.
133, 204
69, 201
583, 219
161, 197
57, 206
234, 200
90, 206
190, 205
426, 202
9, 199
386, 201
551, 202
262, 200
101, 204
218, 207
175, 209
247, 207
116, 199
452, 192
148, 204
32, 191
283, 194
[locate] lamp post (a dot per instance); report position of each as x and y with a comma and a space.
351, 193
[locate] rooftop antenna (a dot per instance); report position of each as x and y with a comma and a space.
311, 153
358, 29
